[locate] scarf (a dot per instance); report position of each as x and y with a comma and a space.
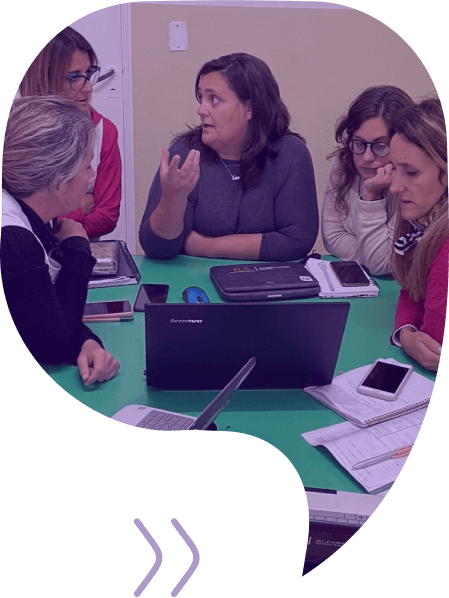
406, 242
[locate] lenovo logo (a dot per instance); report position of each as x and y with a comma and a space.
174, 321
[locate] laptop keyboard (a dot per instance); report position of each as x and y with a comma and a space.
160, 420
337, 518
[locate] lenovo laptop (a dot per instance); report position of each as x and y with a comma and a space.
159, 419
200, 346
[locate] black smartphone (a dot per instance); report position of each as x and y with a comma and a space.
350, 274
150, 293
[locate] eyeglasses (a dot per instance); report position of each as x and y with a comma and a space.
77, 82
379, 148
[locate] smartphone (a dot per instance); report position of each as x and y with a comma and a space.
107, 310
350, 274
385, 380
150, 293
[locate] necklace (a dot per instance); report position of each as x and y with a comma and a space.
234, 177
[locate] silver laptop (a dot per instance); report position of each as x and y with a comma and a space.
199, 346
334, 517
159, 419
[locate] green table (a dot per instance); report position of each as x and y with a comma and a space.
276, 416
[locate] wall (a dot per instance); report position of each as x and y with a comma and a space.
322, 59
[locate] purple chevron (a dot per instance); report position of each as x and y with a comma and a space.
196, 557
155, 568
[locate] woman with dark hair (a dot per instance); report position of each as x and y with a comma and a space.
68, 66
358, 214
241, 184
418, 152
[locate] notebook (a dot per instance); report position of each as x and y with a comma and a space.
330, 287
115, 265
342, 397
158, 419
261, 282
198, 346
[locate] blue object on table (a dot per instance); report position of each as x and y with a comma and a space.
195, 295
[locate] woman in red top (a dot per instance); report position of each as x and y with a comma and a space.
418, 152
68, 66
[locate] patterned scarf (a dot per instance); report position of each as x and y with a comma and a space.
409, 240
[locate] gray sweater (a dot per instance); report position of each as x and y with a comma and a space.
283, 207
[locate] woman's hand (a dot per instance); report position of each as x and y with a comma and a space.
66, 228
87, 205
167, 220
372, 188
179, 182
421, 347
95, 364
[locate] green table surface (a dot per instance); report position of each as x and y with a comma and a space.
276, 416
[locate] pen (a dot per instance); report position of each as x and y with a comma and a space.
326, 274
396, 454
108, 320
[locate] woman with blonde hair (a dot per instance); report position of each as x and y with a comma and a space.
68, 66
418, 152
46, 171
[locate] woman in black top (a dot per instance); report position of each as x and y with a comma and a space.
46, 172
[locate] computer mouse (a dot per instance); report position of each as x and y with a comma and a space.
195, 295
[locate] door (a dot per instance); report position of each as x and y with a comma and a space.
108, 31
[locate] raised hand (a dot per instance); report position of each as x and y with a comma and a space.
179, 182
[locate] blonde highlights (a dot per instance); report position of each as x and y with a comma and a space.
46, 140
424, 126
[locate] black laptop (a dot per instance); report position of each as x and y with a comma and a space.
201, 346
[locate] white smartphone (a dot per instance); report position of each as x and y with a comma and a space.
385, 380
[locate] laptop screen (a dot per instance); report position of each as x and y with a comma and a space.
204, 420
201, 346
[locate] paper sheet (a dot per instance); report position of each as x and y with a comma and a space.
349, 445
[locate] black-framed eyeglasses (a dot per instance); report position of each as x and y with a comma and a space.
77, 82
379, 148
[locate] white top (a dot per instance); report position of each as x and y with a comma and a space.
365, 234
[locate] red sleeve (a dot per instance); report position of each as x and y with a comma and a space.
408, 311
429, 314
107, 190
436, 298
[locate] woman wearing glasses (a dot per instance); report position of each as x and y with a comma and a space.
358, 216
68, 66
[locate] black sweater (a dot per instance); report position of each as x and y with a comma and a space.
48, 317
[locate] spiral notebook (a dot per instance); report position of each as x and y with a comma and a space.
342, 397
115, 265
330, 287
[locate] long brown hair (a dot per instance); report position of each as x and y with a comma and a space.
424, 126
382, 101
48, 70
251, 80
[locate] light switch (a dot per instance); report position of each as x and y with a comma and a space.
177, 36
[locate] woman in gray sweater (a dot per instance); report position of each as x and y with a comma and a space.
241, 184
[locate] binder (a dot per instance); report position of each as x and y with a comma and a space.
115, 266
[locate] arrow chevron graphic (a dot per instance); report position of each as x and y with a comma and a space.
155, 568
196, 557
